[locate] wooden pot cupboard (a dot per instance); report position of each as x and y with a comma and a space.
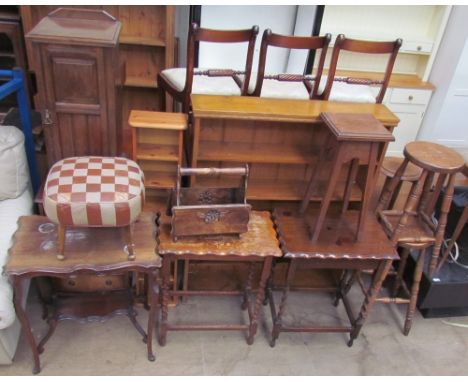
75, 58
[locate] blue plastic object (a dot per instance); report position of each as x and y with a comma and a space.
16, 84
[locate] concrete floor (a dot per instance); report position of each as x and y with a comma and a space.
434, 347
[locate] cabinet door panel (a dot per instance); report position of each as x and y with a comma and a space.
76, 98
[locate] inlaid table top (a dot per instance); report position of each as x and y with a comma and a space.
336, 240
35, 247
260, 240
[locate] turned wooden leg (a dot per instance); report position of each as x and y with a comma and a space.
128, 232
61, 242
439, 235
370, 296
258, 301
414, 292
277, 320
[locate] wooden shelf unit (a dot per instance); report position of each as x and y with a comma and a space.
279, 139
158, 145
146, 46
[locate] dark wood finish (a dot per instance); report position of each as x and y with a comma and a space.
368, 47
146, 47
197, 35
335, 250
201, 211
258, 244
292, 42
76, 64
280, 139
355, 138
412, 227
89, 252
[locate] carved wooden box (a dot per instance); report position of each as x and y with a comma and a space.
206, 211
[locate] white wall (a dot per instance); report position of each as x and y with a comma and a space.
446, 119
182, 20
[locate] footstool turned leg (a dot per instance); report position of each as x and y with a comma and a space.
61, 242
129, 240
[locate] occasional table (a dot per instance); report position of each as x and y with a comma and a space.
258, 245
90, 251
336, 249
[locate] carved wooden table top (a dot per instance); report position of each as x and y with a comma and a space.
260, 240
337, 239
35, 243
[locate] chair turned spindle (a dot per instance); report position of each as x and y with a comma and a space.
413, 228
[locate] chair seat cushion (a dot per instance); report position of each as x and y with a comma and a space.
202, 84
279, 89
343, 92
94, 192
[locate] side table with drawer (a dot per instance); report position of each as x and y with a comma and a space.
90, 251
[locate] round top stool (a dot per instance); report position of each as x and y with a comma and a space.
413, 228
434, 157
390, 166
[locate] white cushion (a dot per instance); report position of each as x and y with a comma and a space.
343, 92
202, 84
10, 211
13, 163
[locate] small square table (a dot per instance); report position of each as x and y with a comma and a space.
90, 251
258, 244
336, 249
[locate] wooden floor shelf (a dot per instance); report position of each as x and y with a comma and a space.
140, 82
155, 179
167, 153
256, 153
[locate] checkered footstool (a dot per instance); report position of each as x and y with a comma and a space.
94, 192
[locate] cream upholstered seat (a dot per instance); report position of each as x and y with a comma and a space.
202, 84
344, 92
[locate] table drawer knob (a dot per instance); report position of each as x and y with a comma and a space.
108, 282
71, 282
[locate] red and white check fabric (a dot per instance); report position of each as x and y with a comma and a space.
94, 192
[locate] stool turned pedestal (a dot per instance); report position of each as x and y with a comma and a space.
412, 228
390, 166
94, 192
357, 139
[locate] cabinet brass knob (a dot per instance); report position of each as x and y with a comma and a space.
71, 283
108, 282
